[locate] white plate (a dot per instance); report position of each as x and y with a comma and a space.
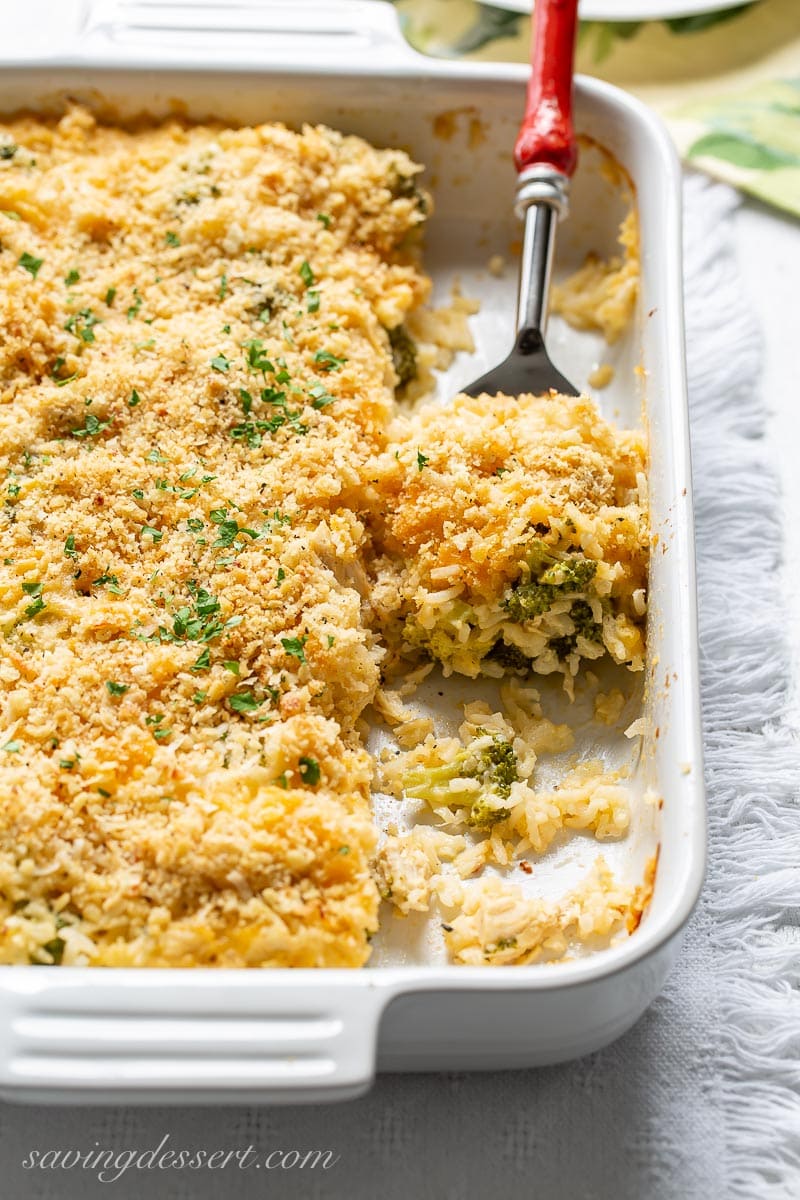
630, 10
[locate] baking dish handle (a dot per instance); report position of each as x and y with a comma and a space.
147, 1035
251, 34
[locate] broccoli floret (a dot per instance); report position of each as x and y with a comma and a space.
584, 621
564, 646
500, 766
503, 943
539, 556
529, 600
440, 642
483, 815
406, 185
494, 764
585, 626
404, 355
572, 574
509, 657
551, 576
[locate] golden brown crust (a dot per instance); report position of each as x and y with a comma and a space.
195, 362
492, 468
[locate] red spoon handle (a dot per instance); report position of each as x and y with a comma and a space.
546, 136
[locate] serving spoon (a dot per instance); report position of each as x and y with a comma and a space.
545, 156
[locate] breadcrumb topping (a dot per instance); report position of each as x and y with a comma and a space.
195, 364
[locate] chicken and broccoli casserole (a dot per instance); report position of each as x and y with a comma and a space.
220, 538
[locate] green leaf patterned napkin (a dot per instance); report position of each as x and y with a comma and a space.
727, 82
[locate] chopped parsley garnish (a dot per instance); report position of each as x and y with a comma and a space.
69, 547
198, 622
278, 517
220, 363
8, 150
55, 948
135, 399
159, 731
244, 702
228, 529
422, 460
133, 311
327, 361
155, 534
324, 219
37, 605
295, 647
256, 359
72, 277
204, 602
117, 689
202, 662
155, 456
252, 432
320, 396
31, 265
306, 274
309, 771
110, 581
281, 575
195, 525
92, 427
57, 365
110, 294
312, 302
82, 324
172, 238
12, 747
199, 697
223, 286
231, 664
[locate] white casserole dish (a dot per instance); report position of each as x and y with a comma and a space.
94, 1035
